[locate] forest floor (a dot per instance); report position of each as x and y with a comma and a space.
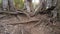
21, 24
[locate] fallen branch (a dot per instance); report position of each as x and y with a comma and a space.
21, 22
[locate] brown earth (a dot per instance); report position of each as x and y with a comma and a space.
21, 24
40, 24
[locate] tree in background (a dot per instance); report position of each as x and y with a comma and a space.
19, 4
0, 3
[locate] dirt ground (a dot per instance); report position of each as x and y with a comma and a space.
21, 24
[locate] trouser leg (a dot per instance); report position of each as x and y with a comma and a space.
4, 4
11, 5
54, 16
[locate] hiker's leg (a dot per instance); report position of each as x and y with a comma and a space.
4, 4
